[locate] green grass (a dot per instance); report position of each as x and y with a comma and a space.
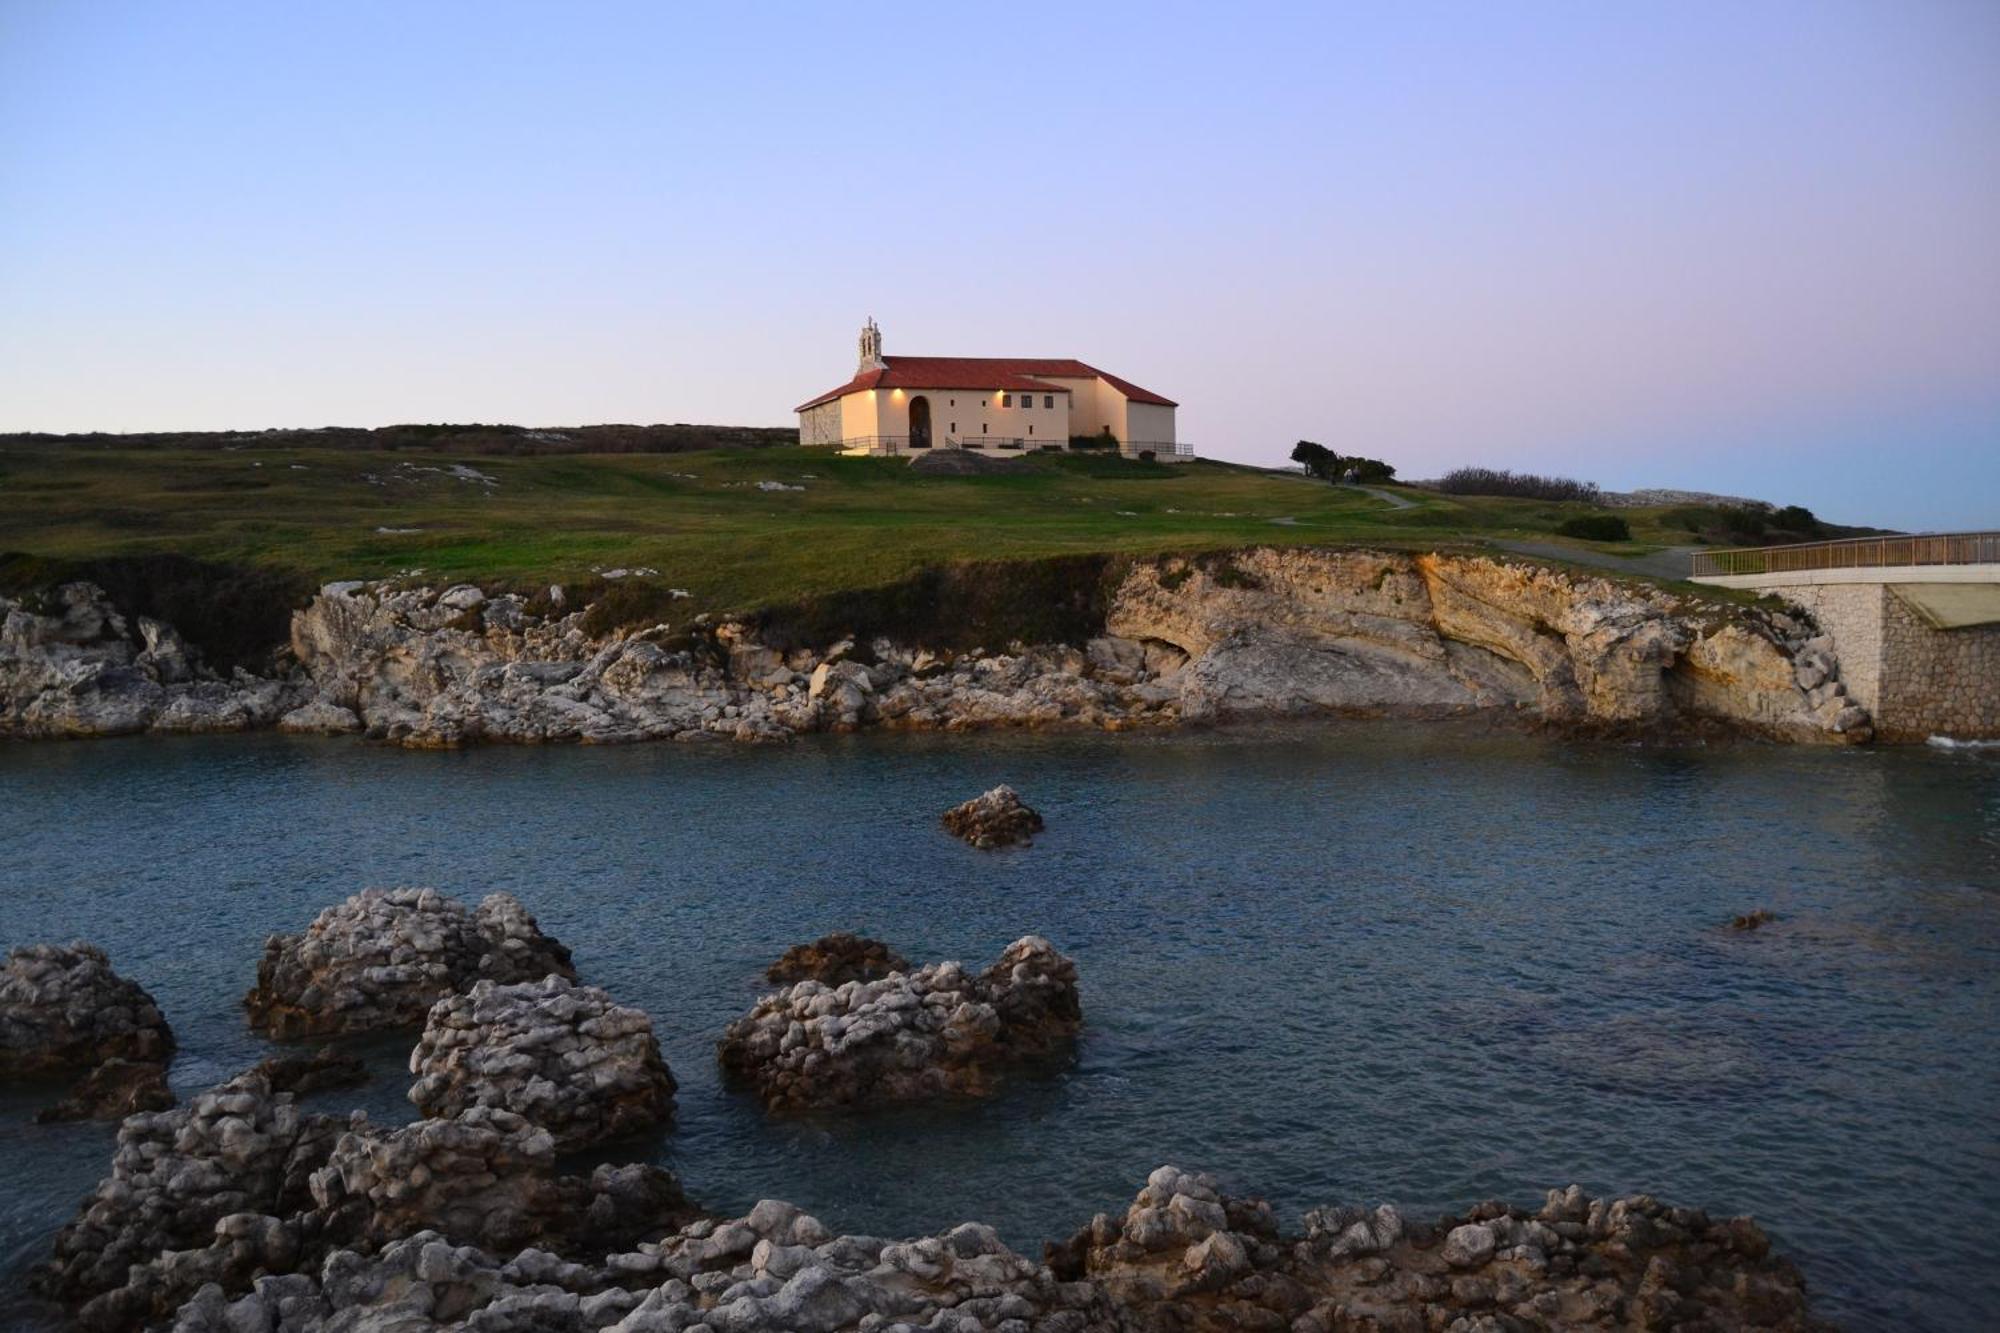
696, 518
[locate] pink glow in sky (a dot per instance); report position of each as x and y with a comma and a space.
1748, 247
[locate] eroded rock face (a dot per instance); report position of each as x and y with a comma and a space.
1187, 1257
62, 1008
1257, 633
72, 665
1277, 631
834, 960
486, 1176
937, 1031
997, 818
64, 1011
1184, 1259
385, 956
564, 1057
207, 1192
312, 1071
240, 1186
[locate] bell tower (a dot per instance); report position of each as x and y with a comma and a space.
871, 348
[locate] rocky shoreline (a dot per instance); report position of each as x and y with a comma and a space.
1252, 634
240, 1211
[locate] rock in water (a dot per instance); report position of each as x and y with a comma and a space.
564, 1057
1188, 1257
995, 819
486, 1177
205, 1193
1184, 1257
907, 1037
385, 956
835, 959
1763, 916
300, 1074
112, 1091
240, 1186
63, 1011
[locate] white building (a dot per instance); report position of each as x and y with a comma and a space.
896, 404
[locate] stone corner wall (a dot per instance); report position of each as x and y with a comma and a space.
1937, 682
1915, 680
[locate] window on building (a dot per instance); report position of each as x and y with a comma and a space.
1048, 400
982, 428
954, 428
954, 402
1031, 430
1006, 400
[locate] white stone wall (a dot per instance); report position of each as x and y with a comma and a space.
1852, 614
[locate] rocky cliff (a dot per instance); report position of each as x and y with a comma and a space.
1251, 634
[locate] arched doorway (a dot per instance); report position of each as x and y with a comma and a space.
920, 422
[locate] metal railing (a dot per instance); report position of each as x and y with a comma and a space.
1928, 548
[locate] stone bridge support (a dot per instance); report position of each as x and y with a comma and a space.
1919, 648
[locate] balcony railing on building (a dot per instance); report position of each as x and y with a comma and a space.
903, 445
1929, 548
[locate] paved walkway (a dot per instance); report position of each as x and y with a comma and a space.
1395, 501
1672, 563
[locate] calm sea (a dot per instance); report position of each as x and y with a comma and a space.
1367, 962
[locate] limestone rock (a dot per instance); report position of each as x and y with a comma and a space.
997, 818
564, 1057
1184, 1257
383, 957
72, 665
64, 1011
833, 960
195, 1194
907, 1037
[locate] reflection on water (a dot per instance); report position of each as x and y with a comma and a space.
1371, 962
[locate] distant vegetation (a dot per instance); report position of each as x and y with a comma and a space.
1324, 463
1520, 485
459, 438
1749, 524
1596, 528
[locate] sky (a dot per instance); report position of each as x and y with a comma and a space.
1746, 247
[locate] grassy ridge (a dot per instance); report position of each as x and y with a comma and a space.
698, 519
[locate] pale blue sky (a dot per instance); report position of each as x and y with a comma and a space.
1750, 247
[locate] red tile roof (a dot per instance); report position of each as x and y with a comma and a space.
989, 373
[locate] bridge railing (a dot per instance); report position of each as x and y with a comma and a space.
1928, 548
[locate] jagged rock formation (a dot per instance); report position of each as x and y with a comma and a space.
72, 665
385, 956
1184, 1259
64, 1011
486, 1177
834, 960
564, 1057
908, 1037
209, 1192
1263, 632
240, 1184
997, 818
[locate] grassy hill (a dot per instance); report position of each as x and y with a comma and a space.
701, 520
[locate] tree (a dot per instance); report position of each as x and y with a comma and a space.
1319, 460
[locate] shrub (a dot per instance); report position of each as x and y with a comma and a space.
1147, 455
1104, 439
1525, 485
1597, 528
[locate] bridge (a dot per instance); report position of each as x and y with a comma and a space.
1914, 619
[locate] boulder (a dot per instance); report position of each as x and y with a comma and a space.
64, 1011
995, 819
835, 959
934, 1032
300, 1073
381, 959
563, 1057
